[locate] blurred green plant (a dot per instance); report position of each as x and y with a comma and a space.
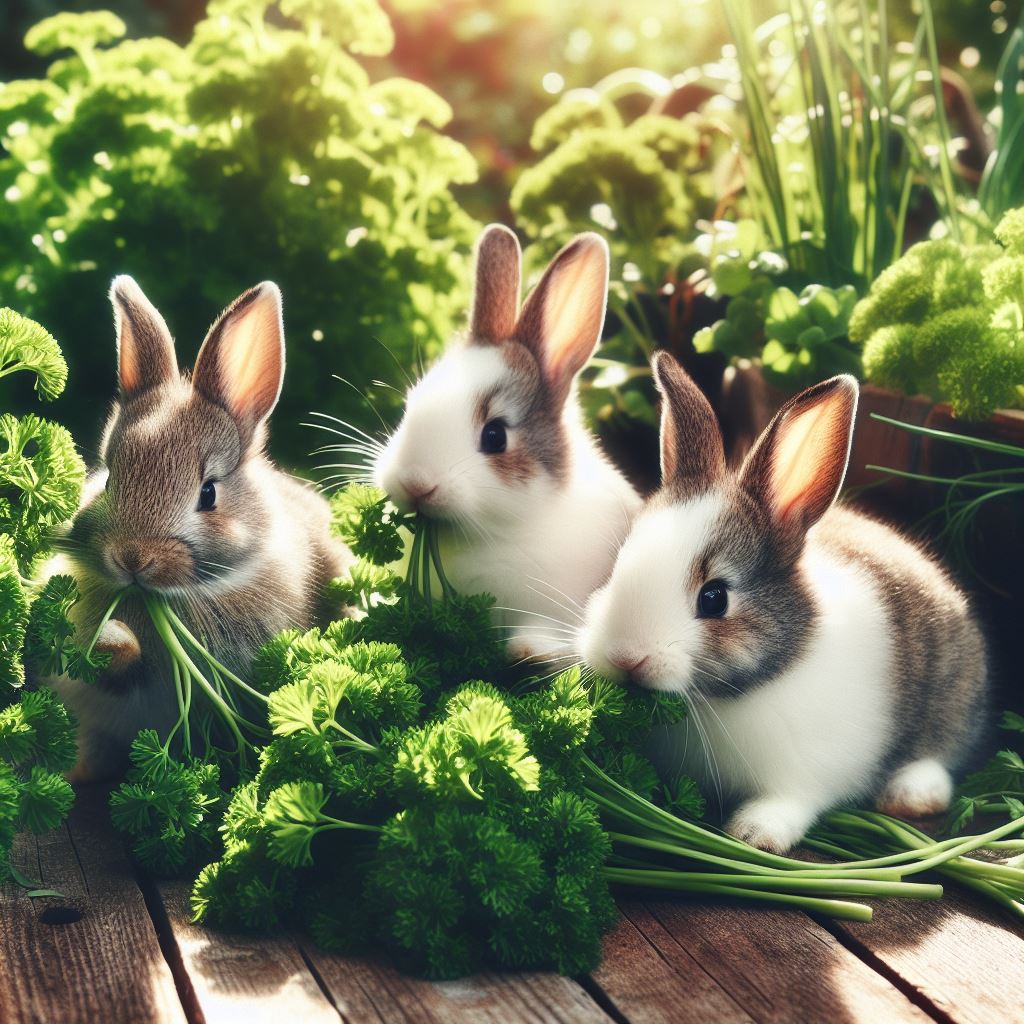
1002, 182
947, 320
501, 63
259, 149
838, 137
643, 183
994, 475
799, 339
833, 151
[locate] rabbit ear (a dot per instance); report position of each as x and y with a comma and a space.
241, 363
496, 296
691, 440
798, 464
562, 319
145, 349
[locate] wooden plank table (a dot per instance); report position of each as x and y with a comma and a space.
120, 948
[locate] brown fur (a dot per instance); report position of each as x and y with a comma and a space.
691, 448
939, 640
560, 323
545, 345
230, 584
144, 357
496, 296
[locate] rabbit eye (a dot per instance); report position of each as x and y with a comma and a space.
207, 496
494, 437
713, 600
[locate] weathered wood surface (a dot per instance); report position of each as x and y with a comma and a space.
105, 963
370, 989
134, 956
238, 977
728, 964
964, 959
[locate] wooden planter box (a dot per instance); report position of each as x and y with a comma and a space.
748, 403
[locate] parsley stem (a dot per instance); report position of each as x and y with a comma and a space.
166, 631
351, 739
184, 631
662, 880
789, 883
809, 870
103, 621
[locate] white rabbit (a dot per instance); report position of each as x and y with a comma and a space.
825, 657
492, 446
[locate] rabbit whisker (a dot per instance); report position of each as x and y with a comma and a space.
347, 425
354, 449
539, 615
364, 397
561, 593
709, 755
564, 607
401, 369
345, 436
725, 731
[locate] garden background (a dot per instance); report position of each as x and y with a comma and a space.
352, 151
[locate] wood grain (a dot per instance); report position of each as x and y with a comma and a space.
106, 966
965, 959
237, 976
649, 977
758, 964
368, 989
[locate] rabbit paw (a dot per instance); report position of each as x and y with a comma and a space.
773, 824
117, 640
917, 789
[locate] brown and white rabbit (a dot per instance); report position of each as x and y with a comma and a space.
186, 504
826, 657
492, 446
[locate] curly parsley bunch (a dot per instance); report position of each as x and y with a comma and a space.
429, 824
404, 800
41, 476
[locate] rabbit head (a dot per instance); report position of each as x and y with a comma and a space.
486, 432
709, 590
180, 503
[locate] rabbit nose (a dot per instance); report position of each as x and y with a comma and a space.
131, 559
628, 663
418, 492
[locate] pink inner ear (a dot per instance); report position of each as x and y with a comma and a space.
128, 370
810, 459
573, 315
250, 365
252, 369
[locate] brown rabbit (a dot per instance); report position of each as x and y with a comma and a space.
187, 504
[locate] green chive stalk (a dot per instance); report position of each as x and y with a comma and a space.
226, 702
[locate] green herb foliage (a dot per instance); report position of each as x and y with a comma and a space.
997, 788
426, 822
947, 320
418, 795
41, 478
262, 143
643, 183
800, 339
